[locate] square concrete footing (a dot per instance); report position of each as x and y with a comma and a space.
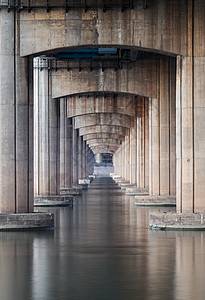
134, 191
155, 200
41, 201
26, 221
177, 221
71, 191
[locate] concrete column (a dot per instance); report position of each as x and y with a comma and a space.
162, 132
138, 169
47, 164
79, 155
16, 120
123, 159
146, 141
74, 154
133, 159
127, 156
164, 115
172, 127
154, 146
142, 156
190, 131
84, 160
65, 146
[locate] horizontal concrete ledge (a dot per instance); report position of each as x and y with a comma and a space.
71, 191
155, 200
137, 192
177, 221
26, 221
41, 201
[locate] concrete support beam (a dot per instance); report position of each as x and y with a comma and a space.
104, 135
103, 119
104, 103
103, 129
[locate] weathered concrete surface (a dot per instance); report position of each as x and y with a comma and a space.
139, 80
103, 129
65, 147
53, 201
102, 104
47, 137
142, 200
16, 120
26, 221
42, 31
71, 191
177, 221
103, 119
88, 137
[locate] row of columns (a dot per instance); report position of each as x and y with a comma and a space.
61, 155
147, 157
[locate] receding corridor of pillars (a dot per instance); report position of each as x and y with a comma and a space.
82, 81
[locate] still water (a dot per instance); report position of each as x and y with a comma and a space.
102, 248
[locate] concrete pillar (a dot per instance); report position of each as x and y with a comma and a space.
47, 143
172, 127
162, 132
142, 156
138, 169
146, 143
133, 158
65, 146
123, 159
84, 160
127, 156
74, 154
190, 131
16, 120
79, 156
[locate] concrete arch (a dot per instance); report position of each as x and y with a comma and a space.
102, 129
104, 135
103, 119
104, 103
42, 31
106, 149
140, 79
103, 143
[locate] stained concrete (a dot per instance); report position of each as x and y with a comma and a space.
26, 221
53, 201
177, 221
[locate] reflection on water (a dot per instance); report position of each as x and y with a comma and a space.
102, 248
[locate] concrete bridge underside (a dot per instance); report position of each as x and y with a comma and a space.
79, 82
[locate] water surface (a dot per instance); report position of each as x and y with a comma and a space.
102, 248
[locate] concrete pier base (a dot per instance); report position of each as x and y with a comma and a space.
177, 221
53, 201
155, 200
26, 221
71, 191
137, 192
